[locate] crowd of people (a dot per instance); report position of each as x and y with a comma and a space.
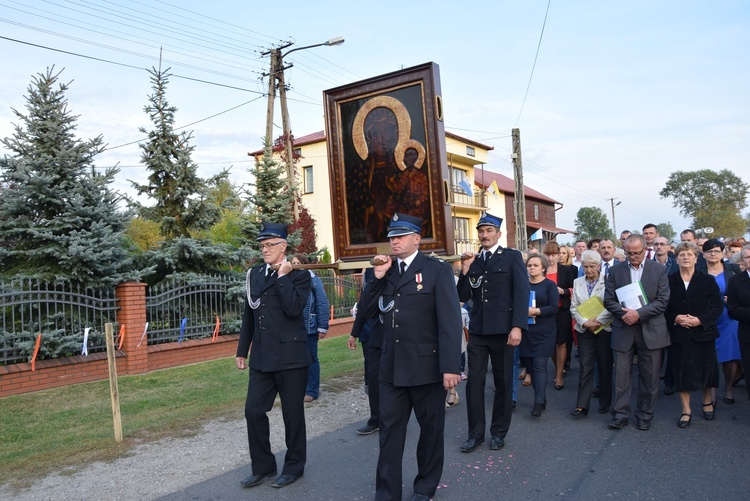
679, 313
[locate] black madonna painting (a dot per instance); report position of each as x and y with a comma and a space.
387, 154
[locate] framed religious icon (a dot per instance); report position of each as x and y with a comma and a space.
386, 154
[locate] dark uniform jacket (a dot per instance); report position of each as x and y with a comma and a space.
420, 319
501, 300
701, 299
738, 304
275, 327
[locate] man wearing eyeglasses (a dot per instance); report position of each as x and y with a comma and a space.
664, 256
273, 323
642, 332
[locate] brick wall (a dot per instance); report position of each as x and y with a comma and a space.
132, 358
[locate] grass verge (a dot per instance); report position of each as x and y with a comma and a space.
63, 428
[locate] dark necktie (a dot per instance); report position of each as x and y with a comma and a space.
269, 273
648, 253
487, 255
403, 267
606, 269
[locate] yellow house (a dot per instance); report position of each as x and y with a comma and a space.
464, 155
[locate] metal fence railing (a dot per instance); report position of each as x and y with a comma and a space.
187, 308
60, 312
342, 291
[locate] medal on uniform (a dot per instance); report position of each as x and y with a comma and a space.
418, 278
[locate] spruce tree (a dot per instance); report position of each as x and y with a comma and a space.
185, 205
59, 219
180, 195
271, 199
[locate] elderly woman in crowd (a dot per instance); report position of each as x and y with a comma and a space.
727, 346
619, 255
538, 343
738, 304
594, 336
695, 305
562, 276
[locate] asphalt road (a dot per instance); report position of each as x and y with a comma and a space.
555, 456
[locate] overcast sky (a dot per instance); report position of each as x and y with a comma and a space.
622, 93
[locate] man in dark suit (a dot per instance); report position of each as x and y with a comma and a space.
368, 332
638, 331
276, 296
420, 319
738, 307
498, 285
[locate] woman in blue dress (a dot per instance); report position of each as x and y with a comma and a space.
727, 346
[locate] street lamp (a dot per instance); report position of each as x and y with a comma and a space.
276, 79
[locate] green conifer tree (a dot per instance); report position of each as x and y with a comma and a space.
180, 195
270, 198
59, 219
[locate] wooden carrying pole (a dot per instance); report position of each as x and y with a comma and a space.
113, 391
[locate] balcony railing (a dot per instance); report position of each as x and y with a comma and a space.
459, 196
466, 245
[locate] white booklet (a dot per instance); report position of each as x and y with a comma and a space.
632, 296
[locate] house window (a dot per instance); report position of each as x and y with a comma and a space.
461, 229
297, 152
470, 151
307, 179
536, 212
458, 175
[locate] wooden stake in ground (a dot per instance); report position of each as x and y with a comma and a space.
113, 391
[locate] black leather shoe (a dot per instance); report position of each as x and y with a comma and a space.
684, 423
367, 429
536, 411
579, 412
668, 389
420, 497
254, 480
709, 415
644, 425
471, 444
497, 443
603, 410
618, 424
285, 479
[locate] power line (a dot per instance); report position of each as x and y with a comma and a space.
539, 45
126, 65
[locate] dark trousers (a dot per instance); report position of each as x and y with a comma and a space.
595, 350
313, 372
480, 349
537, 368
396, 405
372, 364
261, 393
649, 362
745, 354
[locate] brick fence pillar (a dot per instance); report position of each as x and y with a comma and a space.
132, 314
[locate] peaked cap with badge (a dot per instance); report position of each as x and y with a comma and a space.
404, 224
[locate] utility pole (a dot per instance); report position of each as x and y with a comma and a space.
520, 202
276, 80
614, 225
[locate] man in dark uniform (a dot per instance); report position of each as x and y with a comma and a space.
273, 323
420, 320
498, 285
368, 332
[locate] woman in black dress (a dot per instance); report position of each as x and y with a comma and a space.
538, 343
695, 305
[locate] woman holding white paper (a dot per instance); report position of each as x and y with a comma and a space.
594, 335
